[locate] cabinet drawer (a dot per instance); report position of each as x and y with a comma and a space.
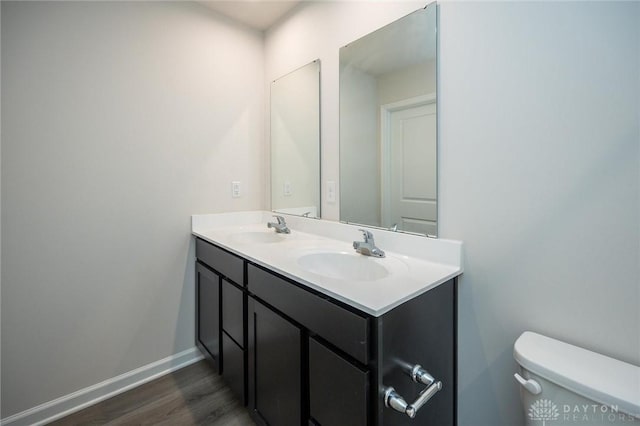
345, 329
338, 390
233, 366
233, 312
229, 265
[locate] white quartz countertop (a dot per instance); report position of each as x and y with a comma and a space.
413, 264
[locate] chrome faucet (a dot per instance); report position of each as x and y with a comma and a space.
368, 246
280, 227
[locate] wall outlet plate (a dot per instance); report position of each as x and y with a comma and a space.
331, 191
235, 189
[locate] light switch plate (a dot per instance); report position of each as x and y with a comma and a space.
287, 188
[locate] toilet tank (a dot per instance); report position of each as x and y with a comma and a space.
556, 372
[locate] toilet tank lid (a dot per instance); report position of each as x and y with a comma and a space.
597, 377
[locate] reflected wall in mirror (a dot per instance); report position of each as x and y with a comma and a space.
295, 142
388, 133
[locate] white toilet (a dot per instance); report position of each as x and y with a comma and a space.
563, 384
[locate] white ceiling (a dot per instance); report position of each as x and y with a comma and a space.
258, 14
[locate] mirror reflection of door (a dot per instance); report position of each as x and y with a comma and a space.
408, 141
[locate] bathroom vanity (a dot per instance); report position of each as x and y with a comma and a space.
305, 333
303, 328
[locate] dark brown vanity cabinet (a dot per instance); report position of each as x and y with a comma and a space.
303, 352
208, 312
233, 338
420, 331
338, 389
299, 357
276, 394
221, 313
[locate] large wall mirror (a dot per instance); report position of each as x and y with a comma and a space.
295, 142
388, 132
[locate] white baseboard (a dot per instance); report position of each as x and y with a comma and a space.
76, 401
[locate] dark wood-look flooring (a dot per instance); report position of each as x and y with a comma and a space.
194, 395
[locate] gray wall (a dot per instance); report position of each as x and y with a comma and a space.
120, 120
539, 171
540, 152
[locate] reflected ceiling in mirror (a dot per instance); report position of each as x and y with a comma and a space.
295, 142
388, 126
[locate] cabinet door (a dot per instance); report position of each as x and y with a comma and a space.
208, 305
338, 390
233, 314
275, 393
233, 373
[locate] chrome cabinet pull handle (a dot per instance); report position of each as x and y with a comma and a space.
419, 375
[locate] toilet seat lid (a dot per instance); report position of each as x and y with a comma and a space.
605, 380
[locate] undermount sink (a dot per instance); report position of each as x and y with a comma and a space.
252, 237
344, 266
